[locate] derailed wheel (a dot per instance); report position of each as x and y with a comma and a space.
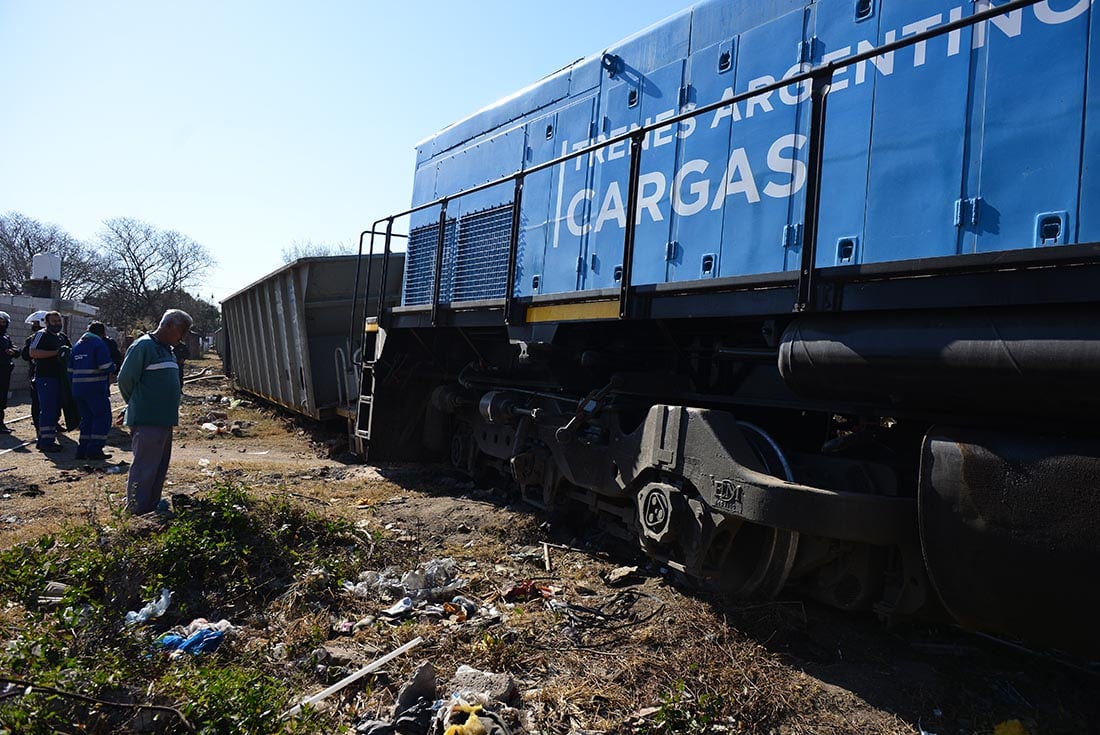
738, 557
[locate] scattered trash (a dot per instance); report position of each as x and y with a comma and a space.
377, 663
347, 627
477, 706
219, 426
485, 685
202, 641
29, 491
154, 609
198, 636
266, 451
403, 607
52, 593
620, 575
460, 717
528, 590
434, 581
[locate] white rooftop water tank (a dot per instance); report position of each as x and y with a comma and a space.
46, 265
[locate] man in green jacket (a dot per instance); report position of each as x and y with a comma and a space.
149, 383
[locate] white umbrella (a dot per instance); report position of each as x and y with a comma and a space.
37, 316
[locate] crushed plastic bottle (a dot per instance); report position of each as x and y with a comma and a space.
154, 609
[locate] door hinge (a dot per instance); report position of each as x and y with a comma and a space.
967, 211
792, 236
806, 50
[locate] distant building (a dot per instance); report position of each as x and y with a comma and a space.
42, 291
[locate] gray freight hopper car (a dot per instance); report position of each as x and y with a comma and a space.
288, 335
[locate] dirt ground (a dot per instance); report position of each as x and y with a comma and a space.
783, 667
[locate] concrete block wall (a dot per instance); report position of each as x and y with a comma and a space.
75, 314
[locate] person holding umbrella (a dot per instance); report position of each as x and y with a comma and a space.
35, 321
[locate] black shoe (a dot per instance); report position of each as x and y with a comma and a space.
51, 448
97, 455
4, 429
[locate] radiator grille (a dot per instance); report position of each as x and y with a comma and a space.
475, 258
481, 263
420, 264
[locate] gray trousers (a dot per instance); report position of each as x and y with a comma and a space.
152, 446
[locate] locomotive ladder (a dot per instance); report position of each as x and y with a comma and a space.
365, 332
363, 413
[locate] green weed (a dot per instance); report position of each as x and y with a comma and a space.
224, 551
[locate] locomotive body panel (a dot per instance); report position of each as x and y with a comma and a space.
959, 144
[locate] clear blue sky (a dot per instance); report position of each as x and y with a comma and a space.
249, 125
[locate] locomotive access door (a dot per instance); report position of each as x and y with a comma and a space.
759, 187
1029, 101
1089, 214
654, 249
696, 227
641, 83
554, 268
842, 29
918, 137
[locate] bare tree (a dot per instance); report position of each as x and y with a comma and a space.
21, 238
149, 266
309, 249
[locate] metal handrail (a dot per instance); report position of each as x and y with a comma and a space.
820, 77
355, 292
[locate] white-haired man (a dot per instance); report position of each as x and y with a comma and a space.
149, 383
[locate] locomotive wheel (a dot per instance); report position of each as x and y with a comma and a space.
739, 558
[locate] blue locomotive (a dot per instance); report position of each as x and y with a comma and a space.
796, 293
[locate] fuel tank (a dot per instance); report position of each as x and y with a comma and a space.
1010, 531
996, 362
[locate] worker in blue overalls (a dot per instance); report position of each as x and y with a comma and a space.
49, 349
90, 370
